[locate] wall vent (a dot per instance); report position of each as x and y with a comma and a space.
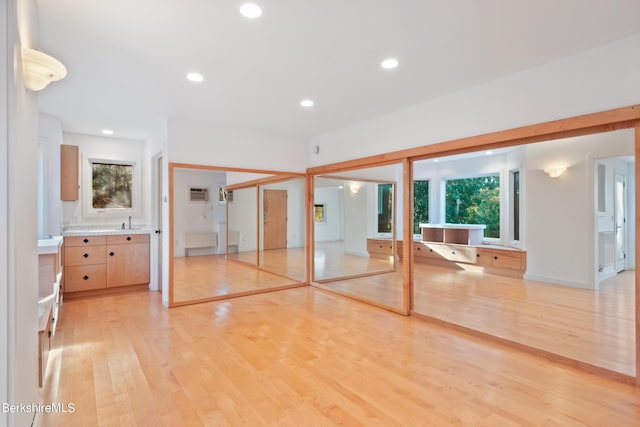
199, 194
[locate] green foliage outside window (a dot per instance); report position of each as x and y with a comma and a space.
111, 185
420, 204
474, 201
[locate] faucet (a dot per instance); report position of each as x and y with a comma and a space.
129, 223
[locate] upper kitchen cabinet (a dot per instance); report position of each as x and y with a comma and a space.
69, 173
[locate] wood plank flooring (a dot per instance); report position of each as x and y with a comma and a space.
304, 357
595, 327
206, 276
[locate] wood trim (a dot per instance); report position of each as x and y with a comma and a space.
355, 276
355, 297
604, 121
637, 272
264, 181
552, 357
310, 224
172, 166
346, 178
239, 294
230, 169
258, 228
407, 234
69, 172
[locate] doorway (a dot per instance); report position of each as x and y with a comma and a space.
620, 214
275, 219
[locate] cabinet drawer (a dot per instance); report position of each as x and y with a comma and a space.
120, 239
507, 259
427, 250
458, 253
380, 247
85, 255
84, 240
85, 278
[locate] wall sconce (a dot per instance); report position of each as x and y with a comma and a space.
40, 69
354, 187
555, 172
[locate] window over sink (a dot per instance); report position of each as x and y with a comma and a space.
111, 188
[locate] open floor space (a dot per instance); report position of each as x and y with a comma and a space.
304, 357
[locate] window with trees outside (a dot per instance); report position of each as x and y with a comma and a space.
385, 207
420, 204
474, 200
112, 186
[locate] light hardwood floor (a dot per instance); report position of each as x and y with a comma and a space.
331, 262
304, 357
206, 276
594, 327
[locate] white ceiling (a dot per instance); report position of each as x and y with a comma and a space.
127, 60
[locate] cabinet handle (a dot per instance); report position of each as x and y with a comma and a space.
86, 255
86, 240
128, 237
453, 252
380, 246
495, 257
478, 255
86, 277
111, 253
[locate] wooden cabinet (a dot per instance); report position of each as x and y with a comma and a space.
497, 259
69, 155
127, 260
100, 262
380, 248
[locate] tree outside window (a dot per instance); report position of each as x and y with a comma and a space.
420, 204
111, 186
474, 201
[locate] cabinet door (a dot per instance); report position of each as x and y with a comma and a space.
127, 264
507, 259
69, 172
484, 257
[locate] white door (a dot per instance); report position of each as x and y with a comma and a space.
620, 210
159, 220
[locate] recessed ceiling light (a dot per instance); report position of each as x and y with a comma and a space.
250, 10
107, 131
195, 77
436, 160
389, 63
488, 153
306, 103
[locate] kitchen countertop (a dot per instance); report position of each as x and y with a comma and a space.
90, 230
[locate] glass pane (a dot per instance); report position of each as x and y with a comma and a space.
474, 201
111, 185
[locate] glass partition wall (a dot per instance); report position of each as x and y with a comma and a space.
355, 223
552, 268
221, 224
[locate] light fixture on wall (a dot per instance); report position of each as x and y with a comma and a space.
354, 187
555, 172
40, 69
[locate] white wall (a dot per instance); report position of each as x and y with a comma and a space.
50, 137
197, 216
560, 225
598, 79
333, 228
199, 143
356, 212
18, 216
242, 216
109, 149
